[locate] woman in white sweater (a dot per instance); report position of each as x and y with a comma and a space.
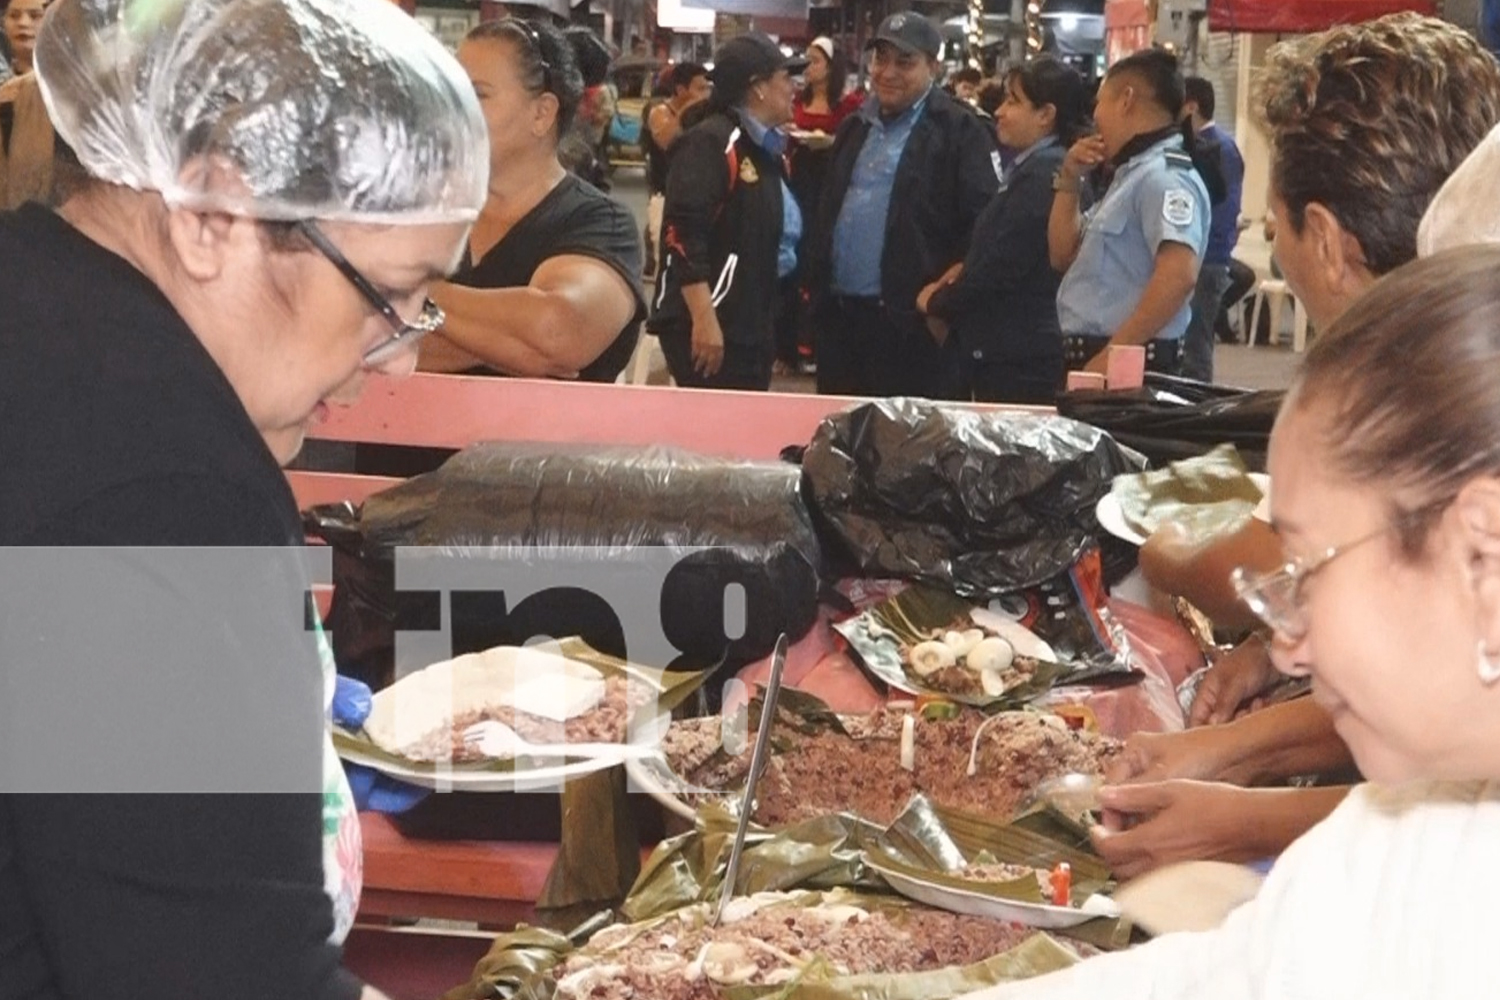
1386, 459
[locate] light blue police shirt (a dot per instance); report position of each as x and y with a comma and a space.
859, 233
1154, 198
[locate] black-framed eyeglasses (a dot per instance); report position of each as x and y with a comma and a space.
406, 334
534, 40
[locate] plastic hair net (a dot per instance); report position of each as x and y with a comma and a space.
1466, 209
274, 109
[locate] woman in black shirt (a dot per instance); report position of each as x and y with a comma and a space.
248, 231
1001, 302
554, 289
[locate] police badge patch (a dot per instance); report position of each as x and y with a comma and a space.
1177, 207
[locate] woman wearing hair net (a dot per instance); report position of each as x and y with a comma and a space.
264, 191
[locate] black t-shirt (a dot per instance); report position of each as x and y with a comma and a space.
656, 157
117, 429
574, 218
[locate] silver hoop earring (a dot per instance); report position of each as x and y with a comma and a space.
1488, 665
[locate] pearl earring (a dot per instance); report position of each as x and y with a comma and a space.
1489, 664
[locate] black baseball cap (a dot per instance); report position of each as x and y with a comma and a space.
909, 32
746, 58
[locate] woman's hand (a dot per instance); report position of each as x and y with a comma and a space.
1232, 683
948, 277
1083, 156
1147, 826
925, 296
708, 344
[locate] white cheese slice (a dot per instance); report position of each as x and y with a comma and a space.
527, 679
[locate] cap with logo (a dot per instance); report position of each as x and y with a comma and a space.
911, 33
744, 59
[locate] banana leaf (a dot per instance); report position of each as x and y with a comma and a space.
519, 964
1209, 495
821, 853
923, 843
1036, 956
670, 687
929, 843
599, 853
516, 966
879, 635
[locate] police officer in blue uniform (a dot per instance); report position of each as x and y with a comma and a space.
1130, 264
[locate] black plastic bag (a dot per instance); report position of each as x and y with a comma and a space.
595, 508
979, 503
1172, 419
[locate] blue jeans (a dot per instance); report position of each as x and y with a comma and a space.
1198, 341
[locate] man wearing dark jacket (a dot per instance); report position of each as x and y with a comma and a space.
909, 175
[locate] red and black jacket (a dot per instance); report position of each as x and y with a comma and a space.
721, 225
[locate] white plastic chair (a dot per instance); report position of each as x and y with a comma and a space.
1273, 291
647, 350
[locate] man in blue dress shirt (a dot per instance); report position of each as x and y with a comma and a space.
907, 177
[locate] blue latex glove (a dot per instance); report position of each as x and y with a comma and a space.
372, 790
376, 792
351, 702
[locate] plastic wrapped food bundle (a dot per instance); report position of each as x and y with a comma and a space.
980, 503
602, 512
273, 109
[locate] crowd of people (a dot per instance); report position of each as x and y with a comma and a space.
215, 257
953, 240
844, 240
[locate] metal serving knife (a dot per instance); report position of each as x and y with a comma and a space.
758, 757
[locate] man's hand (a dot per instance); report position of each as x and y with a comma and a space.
1099, 363
1147, 826
1083, 156
1207, 754
1232, 683
708, 344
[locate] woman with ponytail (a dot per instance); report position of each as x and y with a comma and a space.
1001, 302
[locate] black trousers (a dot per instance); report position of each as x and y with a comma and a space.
1242, 279
865, 350
1164, 356
746, 366
1035, 381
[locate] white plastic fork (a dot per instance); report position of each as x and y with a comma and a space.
495, 739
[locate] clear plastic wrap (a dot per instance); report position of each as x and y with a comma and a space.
718, 522
273, 109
